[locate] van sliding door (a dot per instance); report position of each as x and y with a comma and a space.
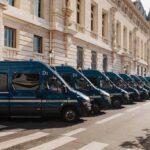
25, 91
4, 94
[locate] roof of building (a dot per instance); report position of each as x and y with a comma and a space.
138, 4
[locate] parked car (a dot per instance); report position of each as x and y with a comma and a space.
100, 80
100, 98
148, 79
31, 88
145, 82
138, 83
118, 81
132, 86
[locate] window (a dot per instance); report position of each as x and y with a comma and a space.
3, 82
38, 8
118, 33
93, 80
67, 78
25, 81
104, 24
145, 72
105, 63
105, 84
11, 2
125, 37
93, 17
53, 84
37, 44
130, 41
10, 37
141, 71
78, 11
94, 60
79, 57
82, 84
138, 70
142, 47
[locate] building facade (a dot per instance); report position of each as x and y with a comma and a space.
108, 35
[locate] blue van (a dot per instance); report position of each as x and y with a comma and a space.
101, 81
146, 84
99, 98
118, 81
130, 82
30, 88
148, 79
140, 86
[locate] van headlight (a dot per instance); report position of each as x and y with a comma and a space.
126, 95
86, 104
107, 98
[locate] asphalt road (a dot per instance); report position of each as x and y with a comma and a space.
127, 128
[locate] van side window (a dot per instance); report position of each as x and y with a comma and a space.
67, 78
3, 82
53, 84
93, 80
25, 81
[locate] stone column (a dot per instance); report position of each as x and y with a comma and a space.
113, 11
2, 7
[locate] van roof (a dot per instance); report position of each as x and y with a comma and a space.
22, 63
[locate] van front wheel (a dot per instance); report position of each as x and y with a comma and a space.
70, 114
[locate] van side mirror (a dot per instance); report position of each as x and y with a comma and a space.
65, 90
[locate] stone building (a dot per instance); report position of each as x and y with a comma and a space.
108, 35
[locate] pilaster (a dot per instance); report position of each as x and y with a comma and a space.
3, 4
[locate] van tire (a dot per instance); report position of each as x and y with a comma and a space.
70, 114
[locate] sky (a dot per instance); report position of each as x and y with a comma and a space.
146, 4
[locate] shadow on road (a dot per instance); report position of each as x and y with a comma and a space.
41, 123
36, 123
139, 142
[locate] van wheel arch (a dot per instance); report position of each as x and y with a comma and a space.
72, 109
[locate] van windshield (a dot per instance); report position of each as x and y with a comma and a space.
120, 84
133, 84
82, 84
106, 84
54, 84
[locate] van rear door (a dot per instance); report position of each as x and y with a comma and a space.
25, 99
4, 93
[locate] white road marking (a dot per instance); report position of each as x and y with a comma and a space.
9, 132
54, 144
133, 109
94, 146
109, 118
20, 140
2, 126
75, 132
146, 104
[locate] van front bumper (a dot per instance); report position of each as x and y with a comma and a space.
126, 99
84, 109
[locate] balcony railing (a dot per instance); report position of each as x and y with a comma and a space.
10, 53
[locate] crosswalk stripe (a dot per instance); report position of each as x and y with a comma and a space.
20, 140
75, 132
54, 144
9, 132
94, 146
109, 118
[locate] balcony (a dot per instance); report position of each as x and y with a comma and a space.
38, 56
10, 53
